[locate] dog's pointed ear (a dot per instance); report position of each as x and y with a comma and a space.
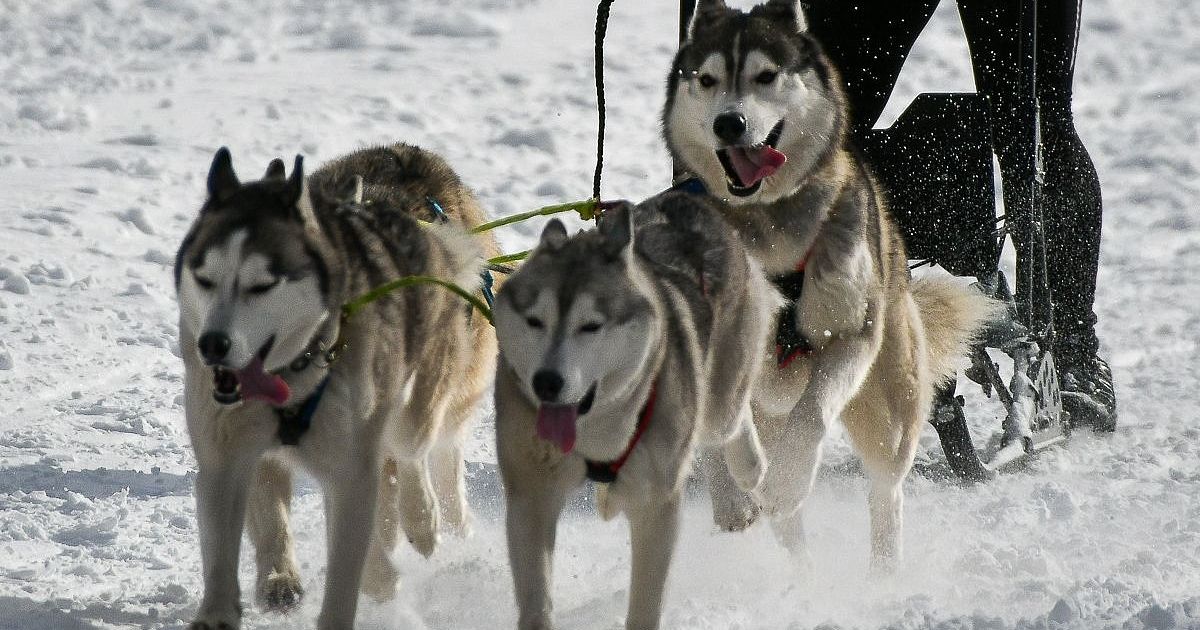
297, 194
295, 183
616, 226
702, 8
554, 235
350, 190
790, 10
222, 181
275, 170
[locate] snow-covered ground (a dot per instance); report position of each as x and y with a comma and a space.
110, 111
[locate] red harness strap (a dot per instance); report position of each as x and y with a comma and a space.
804, 261
606, 472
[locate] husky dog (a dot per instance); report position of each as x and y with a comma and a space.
373, 406
622, 350
755, 110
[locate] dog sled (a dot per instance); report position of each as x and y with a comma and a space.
936, 166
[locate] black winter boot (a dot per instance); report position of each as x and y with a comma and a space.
1088, 394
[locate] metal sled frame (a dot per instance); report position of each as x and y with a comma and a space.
935, 164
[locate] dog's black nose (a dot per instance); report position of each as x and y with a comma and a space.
730, 126
214, 346
547, 385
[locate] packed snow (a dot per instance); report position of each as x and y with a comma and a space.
110, 111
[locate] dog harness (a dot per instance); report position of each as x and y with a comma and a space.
295, 420
790, 342
606, 472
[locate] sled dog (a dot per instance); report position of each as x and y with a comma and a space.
622, 350
755, 111
372, 406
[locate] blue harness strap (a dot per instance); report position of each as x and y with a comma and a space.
295, 421
438, 211
693, 186
488, 281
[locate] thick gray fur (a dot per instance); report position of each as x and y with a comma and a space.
683, 307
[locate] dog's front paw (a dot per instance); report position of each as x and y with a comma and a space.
456, 519
735, 512
218, 616
421, 523
211, 622
280, 592
539, 621
747, 467
424, 539
420, 512
205, 625
380, 578
421, 527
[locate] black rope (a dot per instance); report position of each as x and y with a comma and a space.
601, 30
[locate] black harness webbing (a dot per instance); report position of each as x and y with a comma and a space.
790, 342
606, 472
295, 420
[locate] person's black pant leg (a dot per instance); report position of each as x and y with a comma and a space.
1071, 194
868, 41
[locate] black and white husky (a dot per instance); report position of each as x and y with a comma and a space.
372, 406
756, 111
622, 351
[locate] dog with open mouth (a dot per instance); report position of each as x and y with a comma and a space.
756, 112
373, 406
624, 350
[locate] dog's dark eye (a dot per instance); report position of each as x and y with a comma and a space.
590, 327
766, 77
535, 322
204, 283
707, 80
260, 289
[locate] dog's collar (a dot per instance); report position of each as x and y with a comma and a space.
319, 352
790, 342
295, 420
606, 472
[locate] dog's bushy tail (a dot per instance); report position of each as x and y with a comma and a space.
953, 316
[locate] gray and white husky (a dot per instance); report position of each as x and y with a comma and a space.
623, 350
373, 406
756, 111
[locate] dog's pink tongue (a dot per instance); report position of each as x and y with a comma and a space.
754, 163
257, 384
556, 424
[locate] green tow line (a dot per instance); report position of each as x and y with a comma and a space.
586, 209
362, 301
507, 258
